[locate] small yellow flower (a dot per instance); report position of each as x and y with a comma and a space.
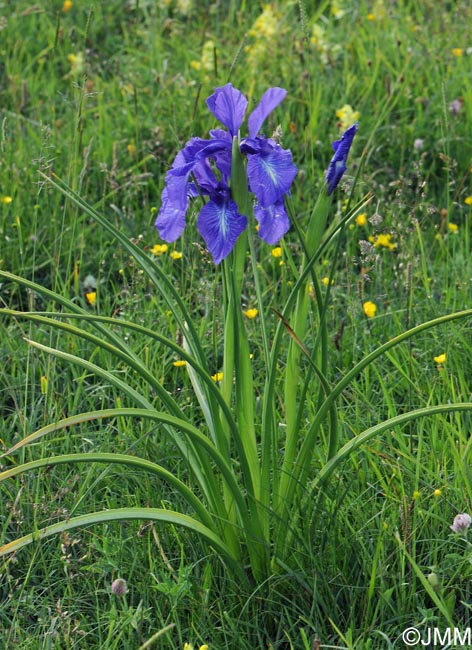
77, 63
467, 200
457, 51
67, 6
347, 116
159, 249
416, 494
217, 377
369, 309
179, 363
277, 251
370, 17
266, 25
6, 199
361, 219
91, 298
131, 149
251, 313
336, 10
325, 281
176, 255
203, 647
441, 358
188, 646
437, 493
207, 59
452, 227
383, 240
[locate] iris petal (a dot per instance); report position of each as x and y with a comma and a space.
170, 221
228, 105
270, 173
273, 222
269, 100
220, 225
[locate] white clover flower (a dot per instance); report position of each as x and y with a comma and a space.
461, 523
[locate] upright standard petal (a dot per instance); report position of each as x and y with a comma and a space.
228, 105
220, 224
270, 172
170, 221
269, 100
273, 222
338, 165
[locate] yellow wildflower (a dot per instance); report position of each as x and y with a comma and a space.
67, 6
437, 493
467, 200
91, 298
184, 6
265, 31
327, 50
378, 11
180, 363
251, 313
176, 255
77, 63
336, 10
318, 38
207, 59
217, 377
6, 199
277, 251
266, 25
452, 227
188, 646
361, 219
369, 309
441, 358
159, 249
457, 51
416, 494
131, 149
325, 281
347, 116
384, 241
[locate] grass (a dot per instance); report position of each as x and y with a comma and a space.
379, 555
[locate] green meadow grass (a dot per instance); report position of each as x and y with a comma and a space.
104, 96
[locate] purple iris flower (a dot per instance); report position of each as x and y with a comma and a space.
204, 167
338, 166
